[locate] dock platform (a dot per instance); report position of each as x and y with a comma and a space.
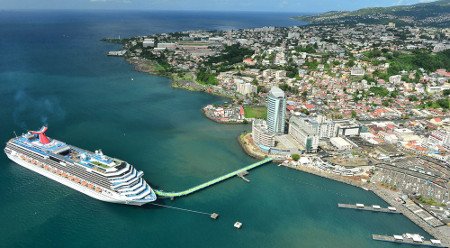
242, 176
404, 239
374, 208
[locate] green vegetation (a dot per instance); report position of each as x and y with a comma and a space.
312, 65
440, 103
231, 55
162, 67
258, 112
307, 48
379, 91
425, 14
295, 157
429, 201
205, 77
409, 61
286, 87
418, 59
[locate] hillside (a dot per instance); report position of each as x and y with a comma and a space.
435, 14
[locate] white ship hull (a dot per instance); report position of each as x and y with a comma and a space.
114, 198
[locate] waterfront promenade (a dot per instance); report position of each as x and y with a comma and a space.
161, 193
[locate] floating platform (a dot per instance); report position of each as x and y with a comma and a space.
242, 175
238, 225
374, 208
410, 239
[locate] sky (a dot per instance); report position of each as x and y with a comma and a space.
300, 6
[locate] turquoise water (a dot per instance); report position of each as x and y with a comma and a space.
53, 71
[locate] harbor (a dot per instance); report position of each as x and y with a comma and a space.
373, 208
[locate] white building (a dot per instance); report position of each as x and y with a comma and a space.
280, 74
148, 42
168, 46
305, 131
245, 88
326, 127
261, 135
439, 137
276, 110
357, 71
396, 79
341, 144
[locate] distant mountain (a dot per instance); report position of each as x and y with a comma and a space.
423, 14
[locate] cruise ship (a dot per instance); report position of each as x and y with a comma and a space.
91, 173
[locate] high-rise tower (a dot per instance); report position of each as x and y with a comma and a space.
276, 110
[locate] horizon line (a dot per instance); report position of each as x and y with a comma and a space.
163, 10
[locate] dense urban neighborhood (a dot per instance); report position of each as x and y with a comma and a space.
366, 104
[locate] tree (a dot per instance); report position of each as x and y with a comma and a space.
295, 157
446, 92
350, 63
304, 94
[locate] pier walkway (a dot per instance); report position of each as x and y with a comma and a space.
161, 193
404, 239
374, 208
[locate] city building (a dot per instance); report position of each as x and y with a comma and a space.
166, 45
261, 135
347, 128
341, 144
245, 88
326, 127
148, 42
276, 110
305, 131
357, 71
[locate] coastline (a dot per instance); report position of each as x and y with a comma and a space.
222, 122
386, 195
150, 67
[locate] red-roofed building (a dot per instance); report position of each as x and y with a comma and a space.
309, 106
241, 111
249, 61
290, 107
443, 72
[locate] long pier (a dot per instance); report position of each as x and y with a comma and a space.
212, 182
402, 239
374, 208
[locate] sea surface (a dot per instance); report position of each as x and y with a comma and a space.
53, 70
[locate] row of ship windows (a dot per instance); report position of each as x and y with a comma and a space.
61, 173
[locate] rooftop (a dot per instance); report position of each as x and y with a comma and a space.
276, 92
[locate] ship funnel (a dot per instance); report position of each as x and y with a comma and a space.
42, 138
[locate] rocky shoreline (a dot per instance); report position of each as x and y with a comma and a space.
150, 67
